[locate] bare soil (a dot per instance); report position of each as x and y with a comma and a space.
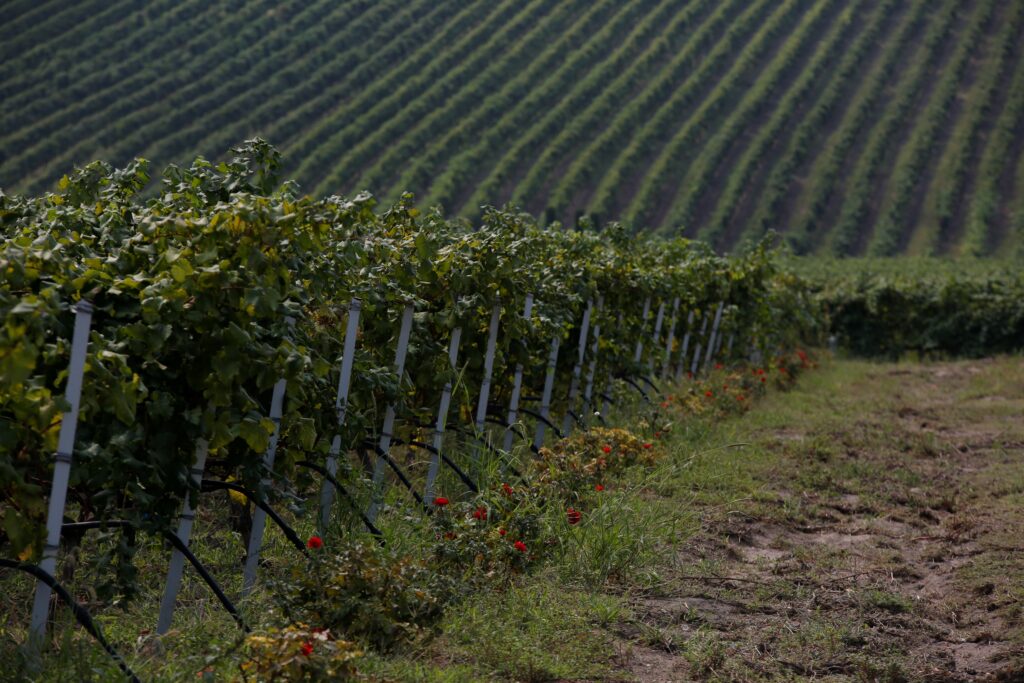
884, 545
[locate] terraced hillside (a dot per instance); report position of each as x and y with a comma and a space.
852, 126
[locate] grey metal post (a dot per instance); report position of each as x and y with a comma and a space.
685, 347
549, 384
517, 385
577, 369
377, 494
485, 384
188, 515
714, 333
62, 466
700, 345
640, 339
671, 338
259, 517
588, 390
659, 319
340, 409
442, 418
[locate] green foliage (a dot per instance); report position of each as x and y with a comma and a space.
889, 307
837, 123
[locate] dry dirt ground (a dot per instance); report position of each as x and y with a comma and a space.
881, 542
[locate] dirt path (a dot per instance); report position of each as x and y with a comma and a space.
883, 541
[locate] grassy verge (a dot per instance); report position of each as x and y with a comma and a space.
863, 526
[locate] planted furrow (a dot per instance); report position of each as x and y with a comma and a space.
982, 231
857, 212
662, 167
945, 205
825, 172
594, 102
403, 114
739, 186
856, 62
490, 93
337, 56
893, 230
677, 87
501, 119
32, 28
68, 134
124, 54
700, 176
232, 78
319, 147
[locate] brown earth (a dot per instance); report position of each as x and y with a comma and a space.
883, 544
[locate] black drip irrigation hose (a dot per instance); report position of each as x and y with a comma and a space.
214, 485
344, 494
611, 401
180, 547
81, 614
546, 421
400, 474
470, 484
636, 386
649, 382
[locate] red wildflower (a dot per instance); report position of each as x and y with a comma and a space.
507, 489
782, 369
606, 448
648, 445
664, 404
671, 396
573, 515
760, 371
709, 394
315, 542
449, 535
480, 513
689, 374
725, 386
502, 532
657, 435
718, 366
520, 546
740, 397
599, 487
307, 648
440, 501
763, 380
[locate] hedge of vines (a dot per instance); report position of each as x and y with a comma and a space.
227, 281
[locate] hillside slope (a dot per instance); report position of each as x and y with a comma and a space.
853, 126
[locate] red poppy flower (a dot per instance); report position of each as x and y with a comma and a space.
449, 535
315, 542
671, 396
307, 648
573, 515
740, 397
520, 546
440, 501
599, 487
657, 435
664, 404
689, 374
709, 394
480, 513
507, 489
718, 366
763, 380
606, 448
648, 445
502, 532
725, 386
782, 369
760, 371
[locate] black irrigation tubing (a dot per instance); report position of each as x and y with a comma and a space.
81, 614
180, 547
579, 420
400, 474
344, 494
650, 382
448, 461
214, 485
636, 386
601, 394
549, 423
